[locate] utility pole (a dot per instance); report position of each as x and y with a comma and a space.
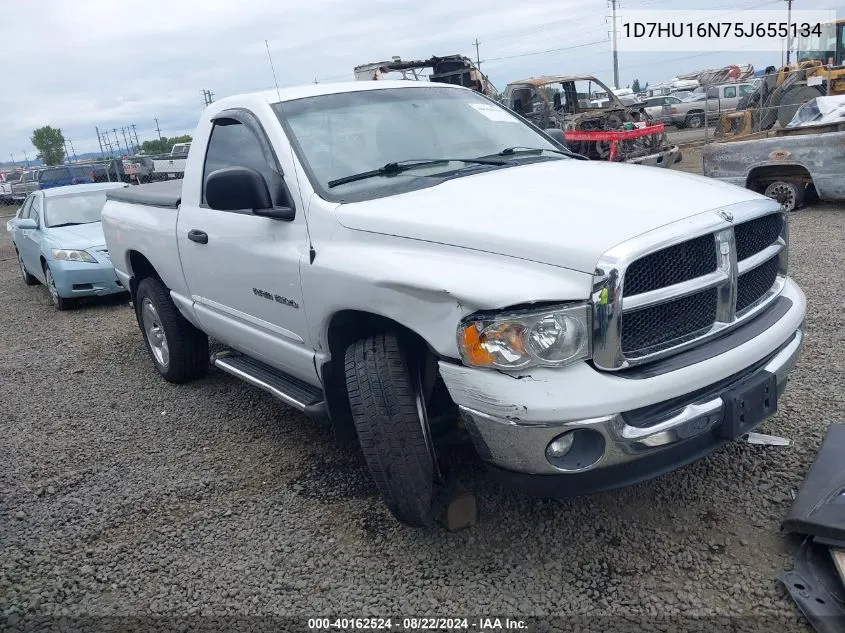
123, 130
613, 4
206, 95
157, 128
72, 151
117, 140
99, 140
26, 158
137, 144
67, 156
476, 43
14, 164
789, 30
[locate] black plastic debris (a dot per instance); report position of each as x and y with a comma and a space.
815, 587
819, 507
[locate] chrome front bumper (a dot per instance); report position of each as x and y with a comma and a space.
510, 444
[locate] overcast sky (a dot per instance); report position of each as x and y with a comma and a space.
76, 65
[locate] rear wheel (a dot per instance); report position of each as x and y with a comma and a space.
179, 350
387, 396
788, 192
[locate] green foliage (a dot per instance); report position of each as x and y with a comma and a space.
164, 145
50, 143
636, 86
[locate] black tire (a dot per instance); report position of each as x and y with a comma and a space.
186, 347
59, 302
28, 279
396, 447
793, 99
694, 121
789, 193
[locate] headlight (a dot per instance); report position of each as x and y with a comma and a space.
549, 337
73, 256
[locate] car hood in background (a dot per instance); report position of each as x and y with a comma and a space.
79, 237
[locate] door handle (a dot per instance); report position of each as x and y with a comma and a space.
200, 237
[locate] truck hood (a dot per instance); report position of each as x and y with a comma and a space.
563, 212
78, 237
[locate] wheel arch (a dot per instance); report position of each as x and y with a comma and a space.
344, 328
139, 268
761, 175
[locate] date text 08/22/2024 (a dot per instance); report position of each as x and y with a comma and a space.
482, 625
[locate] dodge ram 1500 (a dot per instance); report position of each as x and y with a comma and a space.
413, 261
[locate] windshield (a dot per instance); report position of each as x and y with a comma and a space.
74, 208
343, 134
819, 47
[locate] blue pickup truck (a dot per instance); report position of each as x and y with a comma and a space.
63, 175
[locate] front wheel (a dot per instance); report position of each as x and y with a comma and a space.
28, 279
179, 350
388, 406
59, 302
695, 121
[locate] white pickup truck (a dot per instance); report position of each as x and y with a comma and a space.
413, 261
172, 165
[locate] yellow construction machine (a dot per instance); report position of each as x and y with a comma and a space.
819, 70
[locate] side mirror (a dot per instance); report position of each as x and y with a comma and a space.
238, 188
26, 224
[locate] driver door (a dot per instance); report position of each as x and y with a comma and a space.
242, 269
28, 241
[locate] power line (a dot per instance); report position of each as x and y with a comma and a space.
550, 50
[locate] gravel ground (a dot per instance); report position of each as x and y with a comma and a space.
121, 494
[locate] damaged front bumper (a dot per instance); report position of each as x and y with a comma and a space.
625, 429
665, 158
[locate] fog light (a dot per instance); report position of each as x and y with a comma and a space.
560, 446
576, 450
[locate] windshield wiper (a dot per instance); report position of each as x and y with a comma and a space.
520, 149
55, 226
391, 169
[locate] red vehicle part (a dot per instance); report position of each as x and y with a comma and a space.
615, 136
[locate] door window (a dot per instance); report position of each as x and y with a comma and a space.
35, 210
25, 209
233, 144
730, 92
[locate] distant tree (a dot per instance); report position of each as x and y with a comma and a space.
646, 87
636, 85
163, 145
50, 143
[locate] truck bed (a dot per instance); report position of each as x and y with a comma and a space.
166, 193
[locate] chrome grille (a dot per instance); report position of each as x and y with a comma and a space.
686, 282
755, 235
672, 265
754, 284
677, 320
